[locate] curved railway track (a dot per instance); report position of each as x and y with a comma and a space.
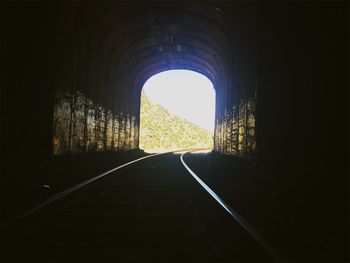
152, 211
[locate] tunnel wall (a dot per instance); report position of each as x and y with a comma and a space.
235, 132
303, 120
303, 86
244, 119
27, 92
79, 125
87, 116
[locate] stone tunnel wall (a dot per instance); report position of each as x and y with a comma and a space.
80, 125
235, 133
236, 115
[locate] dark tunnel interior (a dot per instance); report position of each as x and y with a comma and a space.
72, 75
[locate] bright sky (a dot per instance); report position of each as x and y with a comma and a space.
184, 93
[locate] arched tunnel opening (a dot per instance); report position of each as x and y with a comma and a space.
74, 181
173, 38
177, 111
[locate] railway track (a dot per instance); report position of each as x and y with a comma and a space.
147, 210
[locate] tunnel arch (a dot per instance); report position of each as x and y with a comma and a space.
122, 45
189, 40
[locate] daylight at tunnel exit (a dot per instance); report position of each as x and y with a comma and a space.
177, 112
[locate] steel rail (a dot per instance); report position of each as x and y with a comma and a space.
76, 187
258, 237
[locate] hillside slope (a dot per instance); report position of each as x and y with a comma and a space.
161, 130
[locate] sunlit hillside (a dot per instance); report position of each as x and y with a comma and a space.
161, 130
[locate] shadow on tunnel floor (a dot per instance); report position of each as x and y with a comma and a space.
300, 209
28, 183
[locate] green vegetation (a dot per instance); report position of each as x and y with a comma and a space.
161, 130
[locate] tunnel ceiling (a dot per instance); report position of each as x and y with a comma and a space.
135, 43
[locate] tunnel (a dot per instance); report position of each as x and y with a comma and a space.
124, 52
72, 75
